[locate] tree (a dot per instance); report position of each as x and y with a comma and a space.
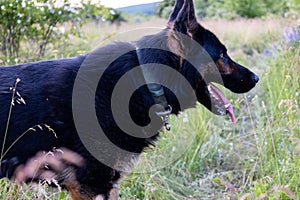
165, 8
234, 8
37, 20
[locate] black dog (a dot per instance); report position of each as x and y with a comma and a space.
37, 103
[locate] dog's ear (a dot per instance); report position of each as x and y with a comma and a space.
183, 28
186, 21
177, 7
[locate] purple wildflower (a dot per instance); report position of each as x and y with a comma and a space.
292, 35
275, 46
267, 52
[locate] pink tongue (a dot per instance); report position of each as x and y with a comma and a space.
221, 97
231, 114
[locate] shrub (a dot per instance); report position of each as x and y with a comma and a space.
37, 21
233, 8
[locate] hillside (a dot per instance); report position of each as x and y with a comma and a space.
146, 9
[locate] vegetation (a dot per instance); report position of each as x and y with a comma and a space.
257, 158
233, 9
36, 22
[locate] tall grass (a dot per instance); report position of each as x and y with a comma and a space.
278, 129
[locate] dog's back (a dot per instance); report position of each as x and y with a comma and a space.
34, 99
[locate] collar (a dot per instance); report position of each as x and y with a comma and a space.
163, 108
158, 95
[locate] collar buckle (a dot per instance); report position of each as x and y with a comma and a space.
165, 116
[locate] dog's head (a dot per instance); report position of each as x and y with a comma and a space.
232, 75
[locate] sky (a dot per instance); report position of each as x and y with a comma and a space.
124, 3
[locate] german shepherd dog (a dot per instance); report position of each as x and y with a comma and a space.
37, 104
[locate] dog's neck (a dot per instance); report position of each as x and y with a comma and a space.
158, 47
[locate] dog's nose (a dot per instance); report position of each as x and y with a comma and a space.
254, 78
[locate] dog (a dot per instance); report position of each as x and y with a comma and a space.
40, 110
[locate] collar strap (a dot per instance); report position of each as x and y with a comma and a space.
158, 95
164, 109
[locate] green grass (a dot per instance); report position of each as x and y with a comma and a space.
40, 191
206, 157
278, 129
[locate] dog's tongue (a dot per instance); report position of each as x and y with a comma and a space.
221, 98
231, 113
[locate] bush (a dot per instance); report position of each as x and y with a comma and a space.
37, 22
256, 8
165, 8
233, 8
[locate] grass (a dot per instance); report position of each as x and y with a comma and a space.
205, 156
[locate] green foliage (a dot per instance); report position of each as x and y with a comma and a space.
213, 9
37, 21
15, 19
255, 8
233, 8
165, 8
294, 5
10, 190
279, 152
246, 8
